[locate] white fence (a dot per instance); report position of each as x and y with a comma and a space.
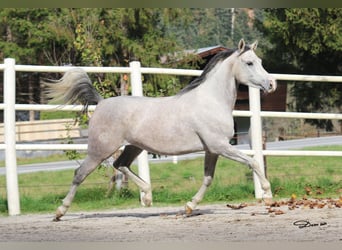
135, 70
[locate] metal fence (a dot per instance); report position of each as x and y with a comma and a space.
135, 70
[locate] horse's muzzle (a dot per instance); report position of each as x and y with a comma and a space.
272, 85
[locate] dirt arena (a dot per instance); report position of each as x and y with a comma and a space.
219, 223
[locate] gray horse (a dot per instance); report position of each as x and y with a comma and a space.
198, 118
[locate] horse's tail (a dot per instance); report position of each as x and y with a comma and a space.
74, 87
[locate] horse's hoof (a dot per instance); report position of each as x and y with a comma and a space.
59, 213
188, 208
267, 201
147, 201
56, 219
57, 216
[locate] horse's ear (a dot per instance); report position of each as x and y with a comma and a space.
241, 45
254, 45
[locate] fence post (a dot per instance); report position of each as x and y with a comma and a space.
13, 199
143, 167
256, 136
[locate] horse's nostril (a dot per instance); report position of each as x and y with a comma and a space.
273, 85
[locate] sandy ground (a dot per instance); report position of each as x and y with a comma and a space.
217, 223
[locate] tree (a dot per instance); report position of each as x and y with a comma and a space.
25, 36
36, 36
307, 41
114, 37
85, 37
214, 26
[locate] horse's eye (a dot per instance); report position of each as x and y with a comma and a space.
249, 63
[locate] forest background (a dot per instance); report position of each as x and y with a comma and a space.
301, 41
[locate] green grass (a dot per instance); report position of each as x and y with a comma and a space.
176, 184
47, 115
51, 158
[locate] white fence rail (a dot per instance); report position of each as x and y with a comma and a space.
135, 70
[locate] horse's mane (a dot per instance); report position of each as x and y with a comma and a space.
210, 65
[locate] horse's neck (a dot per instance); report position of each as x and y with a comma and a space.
221, 85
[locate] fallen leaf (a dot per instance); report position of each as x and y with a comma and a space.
319, 191
320, 205
242, 205
279, 212
293, 197
308, 190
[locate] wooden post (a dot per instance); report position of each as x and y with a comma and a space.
256, 136
143, 167
13, 199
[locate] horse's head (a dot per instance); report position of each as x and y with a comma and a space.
248, 69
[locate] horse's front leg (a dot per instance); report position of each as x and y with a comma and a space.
232, 153
209, 170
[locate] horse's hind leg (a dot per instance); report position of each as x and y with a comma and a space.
122, 164
209, 170
117, 179
87, 166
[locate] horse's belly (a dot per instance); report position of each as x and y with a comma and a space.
167, 140
159, 125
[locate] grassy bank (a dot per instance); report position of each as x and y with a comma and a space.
176, 184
